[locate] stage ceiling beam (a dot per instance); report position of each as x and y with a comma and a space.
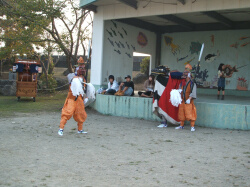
215, 15
182, 1
141, 24
131, 3
179, 21
239, 25
91, 8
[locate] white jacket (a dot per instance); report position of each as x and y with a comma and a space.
114, 86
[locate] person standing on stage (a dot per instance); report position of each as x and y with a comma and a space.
221, 82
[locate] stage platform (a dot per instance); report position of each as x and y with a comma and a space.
231, 113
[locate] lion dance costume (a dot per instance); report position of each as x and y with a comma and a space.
74, 105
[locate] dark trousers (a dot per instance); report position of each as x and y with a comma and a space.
110, 92
148, 93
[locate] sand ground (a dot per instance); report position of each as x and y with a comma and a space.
119, 152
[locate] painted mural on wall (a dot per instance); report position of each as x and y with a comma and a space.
174, 47
235, 45
117, 39
201, 75
189, 61
120, 41
229, 47
180, 59
195, 47
241, 42
211, 57
142, 39
242, 84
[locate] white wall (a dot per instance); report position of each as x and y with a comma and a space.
121, 65
223, 40
97, 49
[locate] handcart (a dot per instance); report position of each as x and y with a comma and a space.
26, 81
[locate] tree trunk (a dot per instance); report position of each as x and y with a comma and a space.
49, 58
68, 60
46, 74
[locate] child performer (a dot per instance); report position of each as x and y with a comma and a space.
221, 82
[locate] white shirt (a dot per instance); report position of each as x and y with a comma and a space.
114, 86
76, 87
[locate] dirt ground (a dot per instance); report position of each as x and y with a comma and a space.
119, 152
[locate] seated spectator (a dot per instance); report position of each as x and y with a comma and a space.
113, 86
149, 87
126, 88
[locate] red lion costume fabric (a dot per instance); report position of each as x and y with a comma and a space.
161, 102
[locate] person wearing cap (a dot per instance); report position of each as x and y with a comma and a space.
80, 62
126, 88
188, 67
187, 109
113, 86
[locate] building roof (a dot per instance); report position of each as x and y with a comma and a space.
182, 22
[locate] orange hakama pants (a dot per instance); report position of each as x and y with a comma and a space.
73, 108
187, 112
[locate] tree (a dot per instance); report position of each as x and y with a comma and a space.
36, 18
145, 65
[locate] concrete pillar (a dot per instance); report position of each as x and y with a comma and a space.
158, 50
97, 49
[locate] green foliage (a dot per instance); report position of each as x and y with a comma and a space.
20, 27
51, 68
44, 102
52, 84
25, 23
145, 65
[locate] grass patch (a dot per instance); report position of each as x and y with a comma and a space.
44, 103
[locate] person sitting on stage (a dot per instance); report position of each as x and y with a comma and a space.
126, 88
113, 86
187, 109
74, 105
149, 87
221, 82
